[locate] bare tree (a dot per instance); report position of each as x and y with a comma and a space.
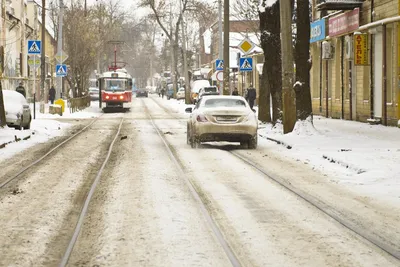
271, 85
79, 35
302, 59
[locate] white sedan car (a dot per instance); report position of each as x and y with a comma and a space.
18, 112
181, 93
222, 118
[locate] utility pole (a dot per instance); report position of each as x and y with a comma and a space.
60, 45
226, 47
220, 45
43, 60
288, 94
172, 42
3, 43
22, 56
185, 70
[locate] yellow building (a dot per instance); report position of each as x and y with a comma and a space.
355, 60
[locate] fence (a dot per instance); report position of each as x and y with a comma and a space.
79, 103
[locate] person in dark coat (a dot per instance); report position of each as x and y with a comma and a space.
235, 91
52, 94
21, 89
251, 95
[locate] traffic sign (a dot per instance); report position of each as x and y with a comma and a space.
61, 70
34, 62
61, 57
246, 45
219, 64
34, 47
246, 64
220, 76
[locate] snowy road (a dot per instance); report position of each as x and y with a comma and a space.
143, 213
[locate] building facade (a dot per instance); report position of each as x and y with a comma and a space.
355, 60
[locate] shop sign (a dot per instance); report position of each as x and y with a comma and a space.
361, 49
317, 30
344, 23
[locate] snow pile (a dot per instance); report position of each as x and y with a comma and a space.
41, 131
266, 3
349, 152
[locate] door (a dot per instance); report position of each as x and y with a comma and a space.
378, 48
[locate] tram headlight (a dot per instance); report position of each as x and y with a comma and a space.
107, 97
121, 97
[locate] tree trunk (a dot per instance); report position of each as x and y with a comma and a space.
272, 70
303, 65
2, 108
264, 99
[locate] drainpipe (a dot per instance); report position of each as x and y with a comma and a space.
341, 72
320, 78
371, 101
384, 62
351, 88
327, 88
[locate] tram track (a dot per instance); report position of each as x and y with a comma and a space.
192, 188
51, 151
366, 234
83, 212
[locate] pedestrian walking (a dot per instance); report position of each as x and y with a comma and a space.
162, 92
52, 94
21, 89
251, 95
235, 91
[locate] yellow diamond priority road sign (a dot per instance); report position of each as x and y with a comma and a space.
246, 45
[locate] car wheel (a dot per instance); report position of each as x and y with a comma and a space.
252, 143
28, 126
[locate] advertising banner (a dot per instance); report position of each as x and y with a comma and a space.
317, 32
361, 49
344, 23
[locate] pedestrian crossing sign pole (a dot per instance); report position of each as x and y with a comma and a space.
246, 64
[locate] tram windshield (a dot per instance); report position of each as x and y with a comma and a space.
115, 84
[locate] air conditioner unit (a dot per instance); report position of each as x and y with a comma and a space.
348, 47
327, 52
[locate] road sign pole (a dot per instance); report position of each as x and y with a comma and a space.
34, 86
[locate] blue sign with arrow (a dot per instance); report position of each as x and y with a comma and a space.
34, 47
246, 64
61, 70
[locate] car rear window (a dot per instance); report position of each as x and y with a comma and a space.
210, 89
211, 103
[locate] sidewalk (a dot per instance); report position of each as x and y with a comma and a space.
361, 156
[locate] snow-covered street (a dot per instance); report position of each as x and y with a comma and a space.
143, 212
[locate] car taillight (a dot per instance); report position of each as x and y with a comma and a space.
201, 118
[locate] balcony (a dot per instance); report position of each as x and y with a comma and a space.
338, 4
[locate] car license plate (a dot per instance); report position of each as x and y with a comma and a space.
226, 118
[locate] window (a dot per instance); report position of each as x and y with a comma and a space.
218, 102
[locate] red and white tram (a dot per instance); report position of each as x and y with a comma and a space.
115, 89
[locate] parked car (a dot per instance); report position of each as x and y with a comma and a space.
94, 93
222, 118
207, 90
18, 112
181, 93
195, 87
142, 92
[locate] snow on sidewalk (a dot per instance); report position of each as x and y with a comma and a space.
362, 156
43, 128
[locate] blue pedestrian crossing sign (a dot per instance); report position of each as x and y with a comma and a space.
61, 70
219, 64
34, 47
246, 64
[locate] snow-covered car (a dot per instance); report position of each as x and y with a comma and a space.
94, 93
222, 118
181, 93
18, 112
207, 90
